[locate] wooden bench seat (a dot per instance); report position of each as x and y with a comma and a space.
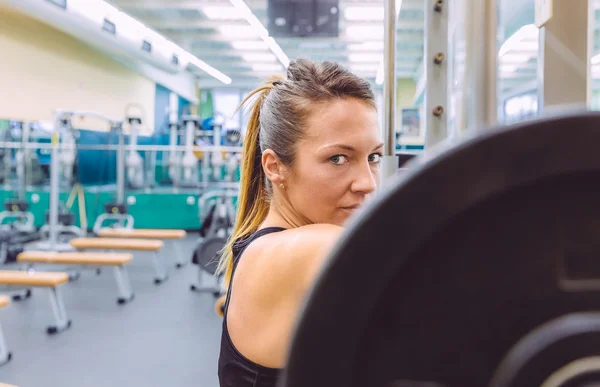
48, 280
142, 233
117, 244
4, 301
149, 233
36, 279
93, 259
148, 245
76, 258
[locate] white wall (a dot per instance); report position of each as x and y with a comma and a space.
43, 69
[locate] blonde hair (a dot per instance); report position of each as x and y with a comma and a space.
279, 111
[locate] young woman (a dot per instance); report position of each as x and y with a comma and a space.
311, 157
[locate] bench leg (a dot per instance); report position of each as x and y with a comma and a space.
125, 292
58, 309
179, 261
5, 356
161, 272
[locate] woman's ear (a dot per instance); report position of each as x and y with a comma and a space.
273, 167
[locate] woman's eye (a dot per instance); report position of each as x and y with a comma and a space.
375, 158
339, 159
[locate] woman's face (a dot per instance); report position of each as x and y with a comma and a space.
337, 162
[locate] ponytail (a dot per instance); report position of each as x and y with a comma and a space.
253, 198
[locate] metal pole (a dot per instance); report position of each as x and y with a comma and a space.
54, 183
390, 162
481, 33
436, 71
121, 166
25, 165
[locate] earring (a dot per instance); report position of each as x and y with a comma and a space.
281, 186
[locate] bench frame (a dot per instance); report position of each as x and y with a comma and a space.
5, 355
61, 320
126, 293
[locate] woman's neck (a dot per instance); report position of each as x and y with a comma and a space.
282, 215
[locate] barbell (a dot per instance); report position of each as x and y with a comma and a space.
479, 266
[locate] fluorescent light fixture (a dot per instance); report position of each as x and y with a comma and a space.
249, 45
364, 57
267, 67
379, 78
222, 13
508, 68
526, 33
208, 69
367, 46
259, 29
362, 32
259, 57
238, 31
363, 13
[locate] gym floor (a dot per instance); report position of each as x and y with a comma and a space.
167, 336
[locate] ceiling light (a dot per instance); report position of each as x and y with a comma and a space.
507, 68
365, 32
133, 29
249, 45
238, 31
222, 13
366, 46
259, 29
528, 32
364, 57
596, 59
267, 67
208, 69
259, 57
363, 13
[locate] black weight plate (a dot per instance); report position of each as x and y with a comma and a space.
457, 260
208, 251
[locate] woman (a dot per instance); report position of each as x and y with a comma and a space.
311, 158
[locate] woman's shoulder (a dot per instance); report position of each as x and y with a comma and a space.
295, 255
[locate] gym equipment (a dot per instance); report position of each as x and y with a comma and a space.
477, 267
60, 222
189, 161
171, 235
5, 355
134, 162
111, 244
216, 228
49, 280
18, 212
88, 260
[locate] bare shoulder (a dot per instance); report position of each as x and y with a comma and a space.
292, 257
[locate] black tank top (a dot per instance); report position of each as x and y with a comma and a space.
235, 370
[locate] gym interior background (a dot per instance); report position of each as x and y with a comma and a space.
120, 156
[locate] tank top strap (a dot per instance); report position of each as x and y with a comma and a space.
238, 248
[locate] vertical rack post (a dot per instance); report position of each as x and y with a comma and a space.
390, 163
436, 71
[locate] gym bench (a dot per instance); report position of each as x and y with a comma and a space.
49, 280
111, 244
88, 259
148, 233
5, 356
